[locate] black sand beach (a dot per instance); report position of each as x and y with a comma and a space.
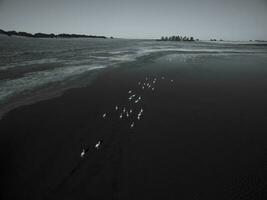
202, 135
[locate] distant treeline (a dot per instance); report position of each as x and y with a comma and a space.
45, 35
177, 38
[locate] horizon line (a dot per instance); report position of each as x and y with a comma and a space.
127, 37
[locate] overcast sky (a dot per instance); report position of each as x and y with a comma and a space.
204, 19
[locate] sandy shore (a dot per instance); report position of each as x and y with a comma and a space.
201, 135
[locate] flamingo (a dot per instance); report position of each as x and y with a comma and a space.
83, 153
97, 146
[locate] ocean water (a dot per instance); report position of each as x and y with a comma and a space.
29, 66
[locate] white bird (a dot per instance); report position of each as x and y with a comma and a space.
83, 153
143, 87
124, 110
104, 115
136, 101
132, 124
97, 146
139, 83
171, 80
153, 89
120, 116
130, 91
130, 98
131, 111
127, 114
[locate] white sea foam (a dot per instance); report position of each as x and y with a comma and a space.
34, 80
29, 62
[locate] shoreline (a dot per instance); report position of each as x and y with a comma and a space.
50, 93
47, 93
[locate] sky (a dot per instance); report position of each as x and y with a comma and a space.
203, 19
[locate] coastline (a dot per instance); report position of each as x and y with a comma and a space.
48, 93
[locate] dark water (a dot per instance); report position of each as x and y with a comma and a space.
201, 137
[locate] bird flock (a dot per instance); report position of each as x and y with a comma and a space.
134, 111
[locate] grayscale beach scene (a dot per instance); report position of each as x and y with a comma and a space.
133, 99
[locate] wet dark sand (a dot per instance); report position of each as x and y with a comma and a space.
202, 136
